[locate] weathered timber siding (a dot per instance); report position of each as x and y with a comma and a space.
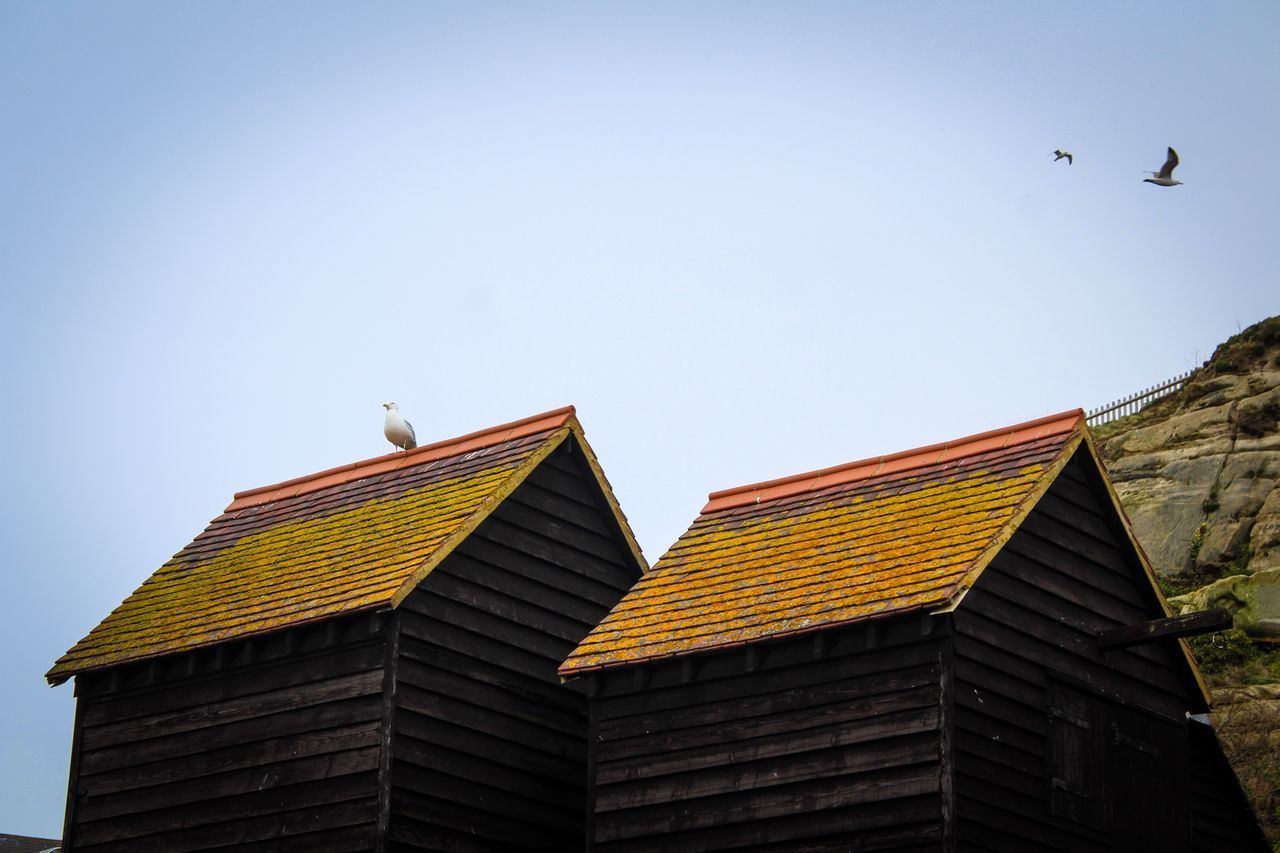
1221, 820
826, 743
490, 749
1024, 646
269, 744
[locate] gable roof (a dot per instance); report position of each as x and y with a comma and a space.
27, 844
868, 539
355, 538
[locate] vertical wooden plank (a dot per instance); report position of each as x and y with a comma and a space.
946, 735
390, 668
73, 775
593, 738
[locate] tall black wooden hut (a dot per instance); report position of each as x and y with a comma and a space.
932, 650
362, 659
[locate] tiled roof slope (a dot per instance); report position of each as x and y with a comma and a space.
26, 844
864, 540
350, 539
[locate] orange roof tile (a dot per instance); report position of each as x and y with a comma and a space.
349, 539
858, 541
395, 461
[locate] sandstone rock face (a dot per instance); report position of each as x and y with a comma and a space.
1199, 487
1198, 471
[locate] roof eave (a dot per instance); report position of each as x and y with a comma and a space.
57, 675
596, 669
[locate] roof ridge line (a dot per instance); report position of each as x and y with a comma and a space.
487, 437
864, 469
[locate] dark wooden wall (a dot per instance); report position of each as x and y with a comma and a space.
442, 726
813, 744
268, 744
1037, 701
490, 749
1221, 817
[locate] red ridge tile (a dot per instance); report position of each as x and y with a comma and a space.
396, 461
859, 541
895, 462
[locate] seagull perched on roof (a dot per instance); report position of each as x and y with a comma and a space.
397, 430
1164, 177
1059, 154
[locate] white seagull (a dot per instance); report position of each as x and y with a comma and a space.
1059, 154
1164, 177
397, 430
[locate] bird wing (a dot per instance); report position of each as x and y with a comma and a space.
412, 436
1070, 161
1170, 164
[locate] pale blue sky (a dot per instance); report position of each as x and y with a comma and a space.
745, 239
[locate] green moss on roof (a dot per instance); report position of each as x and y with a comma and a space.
276, 569
860, 550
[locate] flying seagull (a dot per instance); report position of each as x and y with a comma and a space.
1164, 177
397, 430
1059, 154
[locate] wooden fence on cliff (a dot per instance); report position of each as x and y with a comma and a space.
1134, 402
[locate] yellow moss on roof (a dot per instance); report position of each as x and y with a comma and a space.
301, 569
853, 553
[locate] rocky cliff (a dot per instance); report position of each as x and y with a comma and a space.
1197, 473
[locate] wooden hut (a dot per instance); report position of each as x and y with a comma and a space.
955, 647
362, 659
